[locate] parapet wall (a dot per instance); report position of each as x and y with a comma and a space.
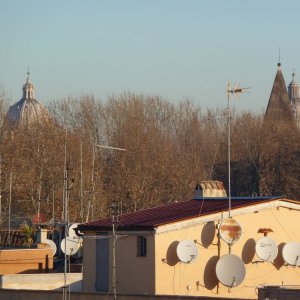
13, 261
54, 281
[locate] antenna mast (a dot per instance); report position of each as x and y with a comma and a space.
235, 90
115, 220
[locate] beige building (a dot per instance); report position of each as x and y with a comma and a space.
147, 245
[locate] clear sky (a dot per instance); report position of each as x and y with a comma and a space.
175, 49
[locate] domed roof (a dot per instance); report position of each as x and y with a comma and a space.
28, 110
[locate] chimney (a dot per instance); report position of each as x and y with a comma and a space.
210, 189
41, 235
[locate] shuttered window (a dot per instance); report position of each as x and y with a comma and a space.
141, 246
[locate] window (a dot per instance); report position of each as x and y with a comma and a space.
141, 246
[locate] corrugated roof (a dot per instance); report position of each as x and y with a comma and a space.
147, 219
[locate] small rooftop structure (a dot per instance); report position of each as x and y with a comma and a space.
209, 189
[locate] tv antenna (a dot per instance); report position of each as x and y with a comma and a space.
234, 90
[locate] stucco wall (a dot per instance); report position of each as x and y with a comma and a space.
89, 265
14, 261
135, 273
176, 278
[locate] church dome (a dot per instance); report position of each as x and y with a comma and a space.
28, 110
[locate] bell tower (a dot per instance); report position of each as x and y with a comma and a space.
294, 96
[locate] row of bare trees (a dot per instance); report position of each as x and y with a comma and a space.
169, 148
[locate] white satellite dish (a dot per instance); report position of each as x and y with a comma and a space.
266, 249
187, 251
69, 245
230, 231
72, 232
230, 270
52, 245
291, 253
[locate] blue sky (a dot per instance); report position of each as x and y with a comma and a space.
187, 49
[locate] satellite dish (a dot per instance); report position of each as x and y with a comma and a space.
230, 270
187, 251
291, 253
72, 232
230, 231
52, 245
69, 246
266, 249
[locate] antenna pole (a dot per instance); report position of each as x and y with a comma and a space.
0, 196
115, 217
9, 208
81, 183
229, 157
53, 209
93, 184
236, 90
67, 188
66, 229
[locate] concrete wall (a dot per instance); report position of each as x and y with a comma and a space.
52, 281
199, 278
14, 261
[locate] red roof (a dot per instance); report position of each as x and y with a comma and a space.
147, 219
